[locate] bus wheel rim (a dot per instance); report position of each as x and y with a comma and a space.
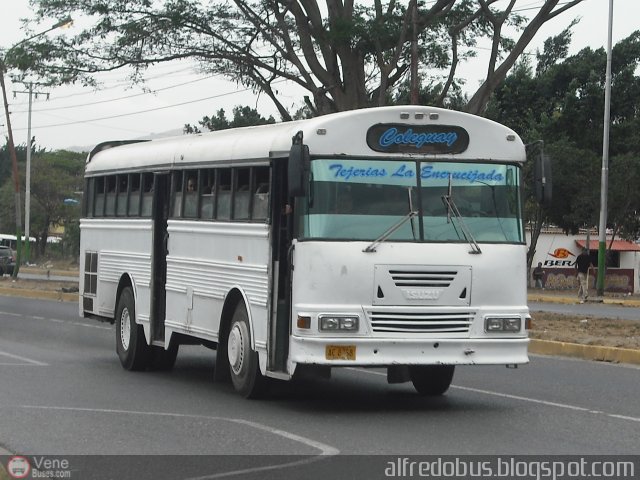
125, 329
235, 349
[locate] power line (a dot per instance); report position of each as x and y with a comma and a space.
78, 105
118, 85
75, 122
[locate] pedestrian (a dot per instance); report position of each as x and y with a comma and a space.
583, 264
538, 276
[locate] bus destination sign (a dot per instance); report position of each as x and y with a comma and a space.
402, 138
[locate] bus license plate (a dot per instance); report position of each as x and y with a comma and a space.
340, 352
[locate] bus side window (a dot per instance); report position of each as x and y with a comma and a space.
110, 207
261, 194
176, 191
224, 194
99, 197
134, 195
191, 195
242, 195
208, 185
147, 194
89, 197
122, 195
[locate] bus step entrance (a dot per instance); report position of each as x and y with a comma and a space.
282, 337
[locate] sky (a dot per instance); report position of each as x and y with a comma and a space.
74, 116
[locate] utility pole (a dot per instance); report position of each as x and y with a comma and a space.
27, 194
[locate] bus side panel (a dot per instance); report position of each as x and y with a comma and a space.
207, 260
122, 247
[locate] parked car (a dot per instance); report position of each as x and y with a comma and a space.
7, 261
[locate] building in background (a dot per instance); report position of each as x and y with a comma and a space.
558, 251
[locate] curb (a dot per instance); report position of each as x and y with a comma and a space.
72, 274
532, 297
39, 294
585, 352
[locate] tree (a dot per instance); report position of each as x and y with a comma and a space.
345, 55
55, 176
7, 191
563, 103
242, 117
624, 196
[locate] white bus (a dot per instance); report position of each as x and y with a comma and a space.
386, 237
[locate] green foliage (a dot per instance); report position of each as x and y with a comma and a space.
55, 176
555, 49
563, 103
624, 195
242, 117
429, 95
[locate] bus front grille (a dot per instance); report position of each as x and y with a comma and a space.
421, 322
423, 278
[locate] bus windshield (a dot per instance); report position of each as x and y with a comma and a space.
354, 199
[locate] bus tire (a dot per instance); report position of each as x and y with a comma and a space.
431, 380
132, 348
162, 360
244, 367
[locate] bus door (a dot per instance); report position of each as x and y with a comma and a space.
161, 203
282, 234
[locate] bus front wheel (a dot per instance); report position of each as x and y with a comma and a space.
243, 360
431, 380
131, 345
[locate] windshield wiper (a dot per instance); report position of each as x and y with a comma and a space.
453, 208
389, 232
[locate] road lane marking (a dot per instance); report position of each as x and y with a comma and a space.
548, 403
27, 361
325, 450
525, 399
55, 320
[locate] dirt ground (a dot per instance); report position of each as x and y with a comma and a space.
585, 330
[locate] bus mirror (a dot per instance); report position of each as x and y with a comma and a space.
298, 168
542, 179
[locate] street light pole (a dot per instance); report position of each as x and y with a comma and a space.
602, 234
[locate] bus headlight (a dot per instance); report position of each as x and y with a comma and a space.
338, 322
502, 324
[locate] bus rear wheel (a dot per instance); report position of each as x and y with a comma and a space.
132, 348
243, 360
431, 380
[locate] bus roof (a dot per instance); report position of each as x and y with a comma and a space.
338, 134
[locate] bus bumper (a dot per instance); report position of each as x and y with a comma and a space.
385, 352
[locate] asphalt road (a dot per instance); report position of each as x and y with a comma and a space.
63, 392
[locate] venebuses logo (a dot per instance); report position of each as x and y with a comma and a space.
18, 467
400, 138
